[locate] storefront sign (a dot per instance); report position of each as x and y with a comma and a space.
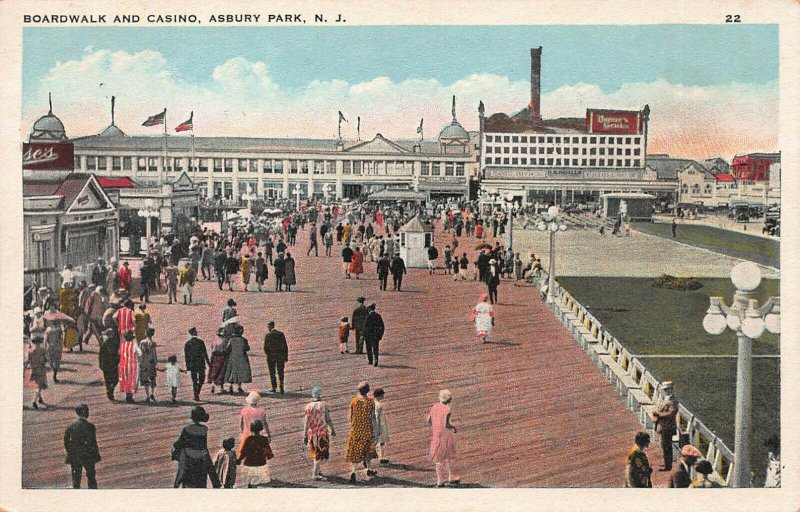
38, 155
613, 121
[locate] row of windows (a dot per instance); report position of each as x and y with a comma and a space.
436, 168
566, 162
558, 150
695, 188
556, 139
320, 167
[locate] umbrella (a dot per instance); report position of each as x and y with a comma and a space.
484, 245
232, 320
54, 316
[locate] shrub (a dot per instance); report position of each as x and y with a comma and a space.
676, 283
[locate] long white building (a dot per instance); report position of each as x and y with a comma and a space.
225, 168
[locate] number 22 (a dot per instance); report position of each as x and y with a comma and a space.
733, 18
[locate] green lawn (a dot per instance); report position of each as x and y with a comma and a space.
650, 320
739, 245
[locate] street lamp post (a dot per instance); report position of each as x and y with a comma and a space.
326, 190
296, 192
249, 197
551, 223
748, 321
148, 212
511, 207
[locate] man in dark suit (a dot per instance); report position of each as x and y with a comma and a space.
80, 443
398, 268
383, 271
196, 358
357, 318
373, 332
681, 478
277, 351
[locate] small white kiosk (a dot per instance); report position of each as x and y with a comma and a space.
415, 238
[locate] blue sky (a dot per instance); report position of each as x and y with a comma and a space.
604, 55
415, 68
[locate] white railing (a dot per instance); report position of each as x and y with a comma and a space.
634, 382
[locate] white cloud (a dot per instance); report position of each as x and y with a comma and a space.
241, 98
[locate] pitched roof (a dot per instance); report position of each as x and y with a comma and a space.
68, 188
667, 168
415, 226
724, 177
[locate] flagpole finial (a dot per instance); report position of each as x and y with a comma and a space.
50, 100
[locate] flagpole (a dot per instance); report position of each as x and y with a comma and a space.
194, 167
164, 166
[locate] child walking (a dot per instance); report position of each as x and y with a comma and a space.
253, 455
173, 376
380, 420
225, 463
37, 371
344, 334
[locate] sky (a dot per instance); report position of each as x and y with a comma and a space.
712, 90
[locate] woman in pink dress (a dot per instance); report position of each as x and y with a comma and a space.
318, 430
357, 263
443, 439
250, 412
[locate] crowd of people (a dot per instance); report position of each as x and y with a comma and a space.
245, 257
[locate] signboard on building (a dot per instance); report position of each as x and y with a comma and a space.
48, 155
613, 121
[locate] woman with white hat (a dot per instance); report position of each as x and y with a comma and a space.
443, 439
251, 412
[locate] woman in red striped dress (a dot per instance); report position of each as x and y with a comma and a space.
128, 367
124, 318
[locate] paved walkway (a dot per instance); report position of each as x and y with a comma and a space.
584, 252
531, 408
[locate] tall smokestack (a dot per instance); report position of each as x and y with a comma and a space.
536, 73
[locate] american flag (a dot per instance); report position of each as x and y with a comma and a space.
156, 119
186, 125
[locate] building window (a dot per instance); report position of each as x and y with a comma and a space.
549, 140
524, 149
524, 139
575, 161
244, 165
488, 138
228, 163
488, 149
685, 188
558, 162
425, 170
217, 165
449, 169
497, 160
619, 163
602, 162
515, 150
151, 164
127, 163
583, 161
593, 140
268, 164
506, 138
695, 189
292, 166
515, 161
178, 164
347, 167
549, 161
636, 140
583, 140
602, 151
102, 163
627, 140
203, 164
514, 139
77, 162
708, 188
602, 140
627, 151
541, 161
43, 253
116, 163
505, 161
523, 161
303, 166
357, 167
505, 149
317, 166
91, 163
436, 169
636, 163
592, 162
549, 151
627, 162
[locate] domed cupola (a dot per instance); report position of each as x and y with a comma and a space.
453, 138
48, 128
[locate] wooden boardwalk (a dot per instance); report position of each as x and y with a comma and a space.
532, 409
